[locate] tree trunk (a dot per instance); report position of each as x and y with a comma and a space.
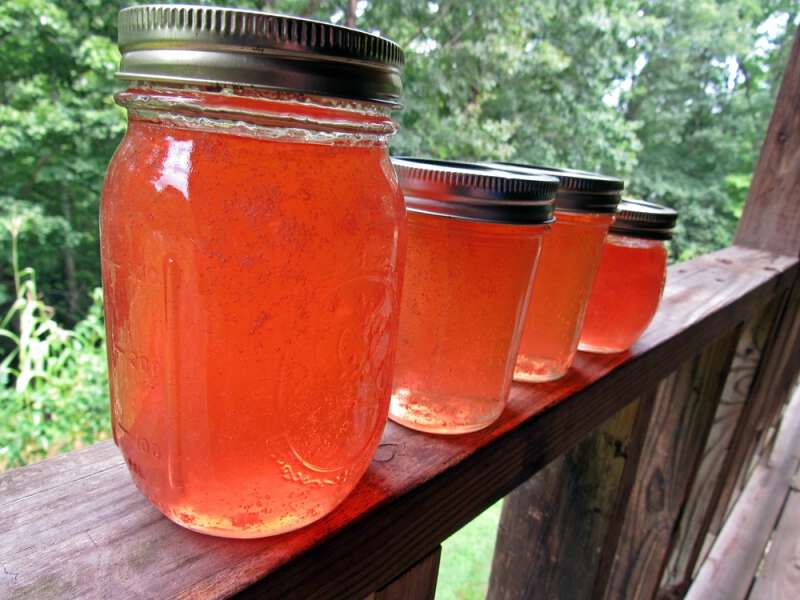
69, 263
311, 8
350, 15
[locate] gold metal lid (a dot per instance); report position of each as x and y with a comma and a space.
208, 45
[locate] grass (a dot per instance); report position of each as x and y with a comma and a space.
467, 558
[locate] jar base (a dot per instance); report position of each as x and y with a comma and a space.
540, 377
458, 430
530, 370
206, 526
420, 413
599, 349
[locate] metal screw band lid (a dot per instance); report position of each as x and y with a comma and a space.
475, 192
208, 45
649, 220
579, 191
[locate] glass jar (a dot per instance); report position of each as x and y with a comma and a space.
253, 237
585, 206
630, 279
474, 240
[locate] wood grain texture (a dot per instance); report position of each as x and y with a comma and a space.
418, 583
553, 526
682, 415
783, 364
728, 571
779, 578
716, 462
771, 217
768, 393
93, 535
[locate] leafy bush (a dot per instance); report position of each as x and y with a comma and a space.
53, 381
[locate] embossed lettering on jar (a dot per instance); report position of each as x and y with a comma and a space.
474, 238
253, 237
630, 279
585, 206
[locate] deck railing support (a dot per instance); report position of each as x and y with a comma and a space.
663, 519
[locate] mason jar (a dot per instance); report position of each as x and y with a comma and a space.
474, 237
585, 206
630, 280
253, 238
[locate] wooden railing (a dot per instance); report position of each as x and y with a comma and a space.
617, 478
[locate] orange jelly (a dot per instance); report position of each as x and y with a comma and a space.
570, 258
631, 278
585, 206
470, 262
252, 252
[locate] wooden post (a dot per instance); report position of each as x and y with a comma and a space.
552, 527
733, 417
771, 221
771, 217
764, 398
418, 583
594, 524
682, 416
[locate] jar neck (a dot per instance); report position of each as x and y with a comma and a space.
265, 114
584, 218
629, 241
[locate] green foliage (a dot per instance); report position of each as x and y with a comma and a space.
467, 558
58, 128
53, 381
53, 385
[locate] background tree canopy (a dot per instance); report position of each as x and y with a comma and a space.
673, 96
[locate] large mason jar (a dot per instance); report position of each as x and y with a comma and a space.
253, 239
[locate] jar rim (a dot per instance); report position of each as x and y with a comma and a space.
210, 45
579, 191
640, 218
475, 192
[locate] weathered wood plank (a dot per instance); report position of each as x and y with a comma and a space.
771, 217
771, 220
96, 536
64, 469
717, 460
728, 571
783, 362
418, 583
681, 419
780, 576
553, 526
767, 394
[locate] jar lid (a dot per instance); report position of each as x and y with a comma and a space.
209, 45
644, 219
579, 191
475, 192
